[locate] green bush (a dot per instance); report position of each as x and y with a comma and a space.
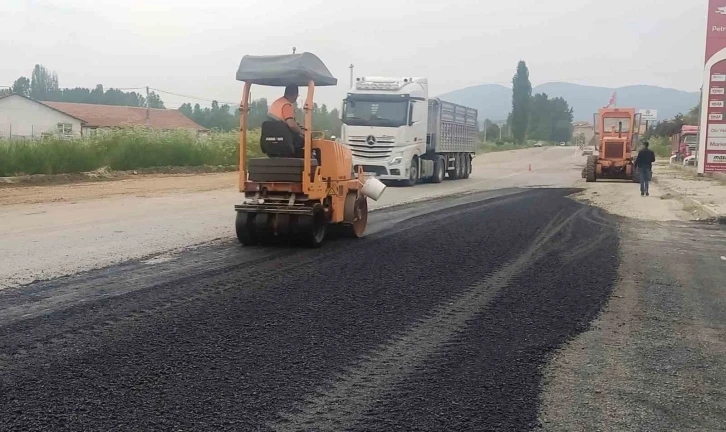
124, 149
661, 146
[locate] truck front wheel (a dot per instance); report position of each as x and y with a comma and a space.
412, 173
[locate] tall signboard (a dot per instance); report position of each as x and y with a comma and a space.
647, 117
712, 136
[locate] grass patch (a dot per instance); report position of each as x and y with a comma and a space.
123, 150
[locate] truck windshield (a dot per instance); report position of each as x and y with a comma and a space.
375, 112
690, 139
614, 122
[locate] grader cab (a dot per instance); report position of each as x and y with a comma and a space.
294, 196
616, 130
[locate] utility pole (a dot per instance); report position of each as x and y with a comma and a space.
351, 74
485, 131
147, 106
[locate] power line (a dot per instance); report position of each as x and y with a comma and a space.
91, 89
194, 97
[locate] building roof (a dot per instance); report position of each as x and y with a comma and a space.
33, 100
124, 116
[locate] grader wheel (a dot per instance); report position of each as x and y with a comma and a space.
590, 168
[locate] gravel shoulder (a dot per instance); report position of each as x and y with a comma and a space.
676, 194
655, 359
704, 196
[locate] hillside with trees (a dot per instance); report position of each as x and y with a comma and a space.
494, 101
532, 117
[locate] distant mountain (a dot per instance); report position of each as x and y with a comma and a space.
495, 101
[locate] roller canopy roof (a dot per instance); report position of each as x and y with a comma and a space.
283, 70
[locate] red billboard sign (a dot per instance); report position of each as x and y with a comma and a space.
716, 34
712, 141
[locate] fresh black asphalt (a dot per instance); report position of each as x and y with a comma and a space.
262, 344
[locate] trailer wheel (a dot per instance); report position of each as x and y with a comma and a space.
467, 166
460, 166
590, 169
454, 173
439, 170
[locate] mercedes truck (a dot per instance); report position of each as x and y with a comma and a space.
396, 132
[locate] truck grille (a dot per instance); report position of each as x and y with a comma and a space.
377, 170
380, 150
614, 150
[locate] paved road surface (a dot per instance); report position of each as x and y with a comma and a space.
51, 239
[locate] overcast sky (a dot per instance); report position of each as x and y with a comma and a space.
194, 47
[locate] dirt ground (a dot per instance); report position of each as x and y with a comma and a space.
675, 194
142, 186
706, 193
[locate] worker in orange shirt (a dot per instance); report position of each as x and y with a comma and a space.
283, 110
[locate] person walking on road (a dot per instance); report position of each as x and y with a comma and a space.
644, 166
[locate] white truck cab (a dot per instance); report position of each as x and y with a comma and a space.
385, 124
397, 133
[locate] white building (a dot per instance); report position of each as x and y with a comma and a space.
105, 117
583, 130
22, 117
25, 118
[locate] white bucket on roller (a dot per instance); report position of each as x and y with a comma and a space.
373, 188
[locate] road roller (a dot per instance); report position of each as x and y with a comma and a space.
297, 193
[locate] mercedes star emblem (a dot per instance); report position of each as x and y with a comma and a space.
371, 140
